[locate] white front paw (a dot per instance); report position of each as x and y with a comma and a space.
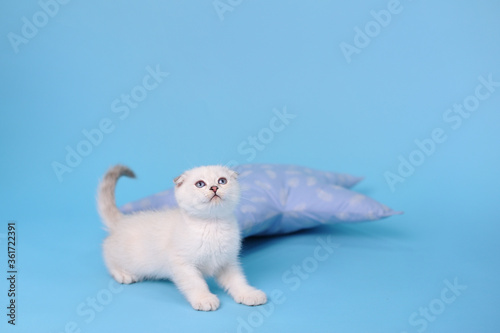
208, 302
122, 277
251, 297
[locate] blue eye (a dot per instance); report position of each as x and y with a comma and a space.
222, 181
200, 184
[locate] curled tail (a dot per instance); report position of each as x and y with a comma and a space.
106, 203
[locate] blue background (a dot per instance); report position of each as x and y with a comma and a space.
227, 73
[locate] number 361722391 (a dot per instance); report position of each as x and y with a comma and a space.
11, 239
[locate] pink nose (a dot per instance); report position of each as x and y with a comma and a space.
214, 188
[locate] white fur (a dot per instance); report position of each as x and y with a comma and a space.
200, 238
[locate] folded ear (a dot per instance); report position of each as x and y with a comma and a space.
179, 180
233, 174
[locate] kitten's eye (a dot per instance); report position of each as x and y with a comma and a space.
200, 184
222, 181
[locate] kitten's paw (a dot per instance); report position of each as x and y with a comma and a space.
208, 302
122, 277
251, 297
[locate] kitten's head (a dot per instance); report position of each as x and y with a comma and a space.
208, 191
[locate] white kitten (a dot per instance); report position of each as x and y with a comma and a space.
200, 238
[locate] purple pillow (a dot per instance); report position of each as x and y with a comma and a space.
279, 199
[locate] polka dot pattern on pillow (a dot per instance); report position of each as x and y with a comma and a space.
280, 199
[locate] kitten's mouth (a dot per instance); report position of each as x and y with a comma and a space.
215, 197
